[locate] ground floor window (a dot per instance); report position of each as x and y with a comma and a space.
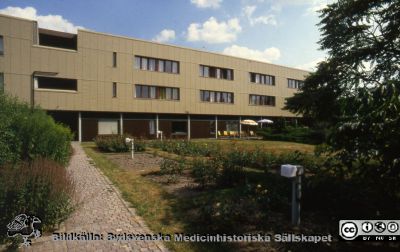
107, 127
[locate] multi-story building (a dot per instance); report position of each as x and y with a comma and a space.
101, 84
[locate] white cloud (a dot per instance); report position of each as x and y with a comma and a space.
311, 65
207, 3
316, 6
164, 36
248, 12
212, 31
268, 55
52, 22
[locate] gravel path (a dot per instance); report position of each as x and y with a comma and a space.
101, 211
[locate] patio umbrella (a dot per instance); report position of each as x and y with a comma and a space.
249, 122
265, 121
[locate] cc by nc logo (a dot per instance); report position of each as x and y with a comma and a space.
348, 230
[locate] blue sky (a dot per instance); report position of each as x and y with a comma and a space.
283, 32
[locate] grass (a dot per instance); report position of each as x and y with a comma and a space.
161, 211
270, 146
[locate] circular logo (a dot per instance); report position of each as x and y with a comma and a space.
392, 227
367, 226
379, 226
349, 230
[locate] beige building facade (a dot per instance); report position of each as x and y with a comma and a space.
100, 84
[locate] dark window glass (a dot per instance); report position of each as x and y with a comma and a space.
1, 45
168, 66
114, 59
56, 83
114, 89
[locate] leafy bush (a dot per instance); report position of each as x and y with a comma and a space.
42, 188
205, 172
294, 134
231, 174
116, 143
172, 168
229, 211
185, 148
28, 133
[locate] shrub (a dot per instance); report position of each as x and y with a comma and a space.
231, 174
205, 172
42, 188
294, 134
28, 133
172, 168
186, 148
116, 143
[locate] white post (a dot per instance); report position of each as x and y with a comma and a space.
240, 127
121, 124
79, 127
157, 126
188, 125
133, 148
216, 127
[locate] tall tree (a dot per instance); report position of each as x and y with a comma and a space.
357, 88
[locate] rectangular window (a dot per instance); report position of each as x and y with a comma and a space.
58, 39
114, 59
206, 71
161, 65
114, 89
262, 100
1, 82
215, 72
168, 93
175, 67
56, 83
1, 45
216, 96
138, 90
295, 83
152, 92
152, 64
144, 63
155, 92
168, 66
262, 79
175, 93
137, 62
107, 127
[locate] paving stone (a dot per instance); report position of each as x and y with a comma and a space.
100, 209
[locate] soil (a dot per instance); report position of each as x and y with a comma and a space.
142, 162
148, 165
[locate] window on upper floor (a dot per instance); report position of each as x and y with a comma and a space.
156, 92
114, 89
114, 59
216, 96
216, 72
58, 39
1, 45
262, 79
42, 82
261, 100
157, 65
295, 83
